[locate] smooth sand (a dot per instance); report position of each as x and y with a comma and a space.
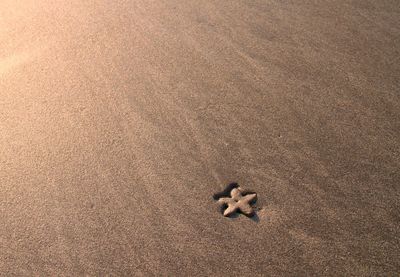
119, 120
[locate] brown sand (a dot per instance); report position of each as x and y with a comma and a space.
119, 120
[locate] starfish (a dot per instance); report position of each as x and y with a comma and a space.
238, 202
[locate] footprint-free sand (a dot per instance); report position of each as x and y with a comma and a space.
119, 121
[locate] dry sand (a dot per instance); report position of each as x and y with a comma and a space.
119, 120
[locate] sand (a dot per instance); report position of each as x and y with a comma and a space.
119, 121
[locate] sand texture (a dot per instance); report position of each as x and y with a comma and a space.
119, 121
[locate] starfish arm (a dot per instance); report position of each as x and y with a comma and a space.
246, 209
249, 198
226, 200
230, 210
236, 194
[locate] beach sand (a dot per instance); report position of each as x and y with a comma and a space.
119, 121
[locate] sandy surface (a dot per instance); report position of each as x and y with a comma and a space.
120, 119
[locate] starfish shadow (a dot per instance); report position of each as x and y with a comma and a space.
255, 218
